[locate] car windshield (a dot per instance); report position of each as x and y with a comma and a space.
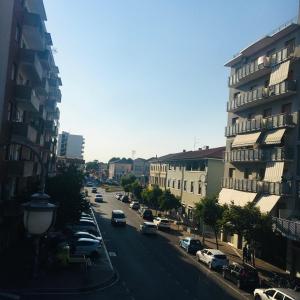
164, 221
150, 225
119, 215
220, 256
195, 242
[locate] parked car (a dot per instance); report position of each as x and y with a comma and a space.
162, 223
244, 276
134, 205
87, 218
118, 195
148, 228
84, 225
125, 199
147, 215
94, 190
190, 244
276, 293
215, 259
88, 247
98, 198
118, 217
83, 234
89, 184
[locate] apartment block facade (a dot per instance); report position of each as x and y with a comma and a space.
29, 93
70, 145
119, 168
262, 159
190, 175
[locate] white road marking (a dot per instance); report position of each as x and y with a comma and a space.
111, 253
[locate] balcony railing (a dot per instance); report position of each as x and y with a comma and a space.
31, 64
256, 186
254, 97
24, 131
272, 122
288, 228
55, 94
259, 67
259, 155
27, 98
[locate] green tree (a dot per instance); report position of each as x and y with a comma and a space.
127, 181
168, 201
92, 166
210, 213
152, 196
64, 190
136, 189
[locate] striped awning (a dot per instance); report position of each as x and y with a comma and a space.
244, 140
273, 137
267, 203
279, 73
274, 171
228, 196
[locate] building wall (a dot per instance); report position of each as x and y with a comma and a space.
158, 174
75, 146
117, 170
214, 176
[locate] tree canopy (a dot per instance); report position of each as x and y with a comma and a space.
168, 201
92, 166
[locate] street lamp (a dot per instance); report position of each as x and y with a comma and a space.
38, 218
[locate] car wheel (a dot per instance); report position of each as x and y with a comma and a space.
238, 284
210, 265
198, 258
257, 297
224, 274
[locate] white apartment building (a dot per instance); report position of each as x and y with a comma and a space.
70, 145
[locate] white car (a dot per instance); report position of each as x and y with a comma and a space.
118, 217
162, 223
276, 293
85, 225
98, 198
117, 195
88, 247
213, 258
87, 235
148, 228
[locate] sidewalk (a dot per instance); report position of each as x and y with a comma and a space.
235, 255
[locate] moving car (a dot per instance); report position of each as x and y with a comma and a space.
190, 244
162, 223
134, 205
88, 247
83, 234
94, 190
147, 215
148, 228
118, 217
276, 293
213, 258
242, 275
98, 198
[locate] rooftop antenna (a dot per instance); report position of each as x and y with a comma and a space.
133, 152
197, 140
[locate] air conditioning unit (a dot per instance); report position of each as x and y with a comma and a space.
263, 60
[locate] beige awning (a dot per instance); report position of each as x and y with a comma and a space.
273, 137
274, 171
228, 196
243, 140
266, 203
279, 73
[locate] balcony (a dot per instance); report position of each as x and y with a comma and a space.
262, 95
48, 39
258, 68
259, 155
43, 112
23, 132
273, 122
289, 229
43, 87
49, 146
55, 81
31, 65
26, 98
256, 186
19, 168
55, 94
33, 30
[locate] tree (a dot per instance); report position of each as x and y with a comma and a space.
114, 159
151, 197
92, 166
127, 181
64, 190
136, 189
210, 213
168, 201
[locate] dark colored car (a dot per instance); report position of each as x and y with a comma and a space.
147, 215
244, 276
125, 199
191, 245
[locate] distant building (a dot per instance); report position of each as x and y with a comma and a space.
119, 168
70, 145
190, 175
63, 162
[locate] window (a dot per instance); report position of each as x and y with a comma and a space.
279, 296
178, 184
267, 112
184, 185
290, 44
13, 72
17, 34
199, 188
286, 108
169, 182
270, 293
246, 173
234, 121
192, 187
173, 184
231, 173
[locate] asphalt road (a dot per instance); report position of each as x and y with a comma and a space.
149, 267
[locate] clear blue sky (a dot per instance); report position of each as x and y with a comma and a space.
149, 75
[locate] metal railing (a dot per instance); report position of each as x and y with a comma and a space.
272, 122
256, 155
257, 186
288, 228
262, 93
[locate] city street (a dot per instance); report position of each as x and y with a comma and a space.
150, 267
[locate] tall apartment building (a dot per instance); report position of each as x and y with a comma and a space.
262, 159
190, 175
29, 92
70, 145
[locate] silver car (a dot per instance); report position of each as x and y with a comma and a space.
88, 247
148, 228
